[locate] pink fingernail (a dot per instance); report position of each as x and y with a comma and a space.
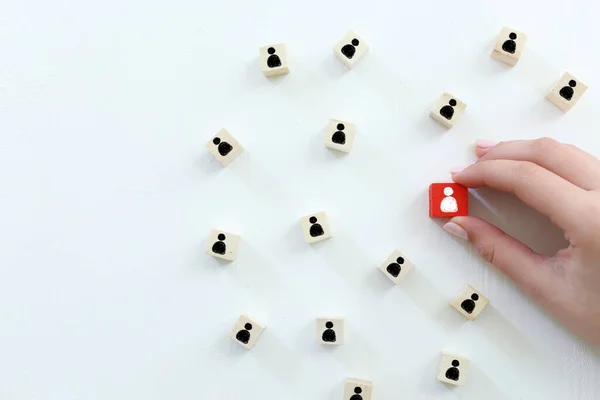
456, 230
486, 144
456, 170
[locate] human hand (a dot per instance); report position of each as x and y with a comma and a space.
562, 182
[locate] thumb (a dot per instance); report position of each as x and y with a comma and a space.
506, 253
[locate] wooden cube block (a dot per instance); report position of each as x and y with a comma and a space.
396, 266
358, 389
339, 135
453, 369
330, 331
567, 91
222, 245
350, 49
447, 200
273, 60
224, 147
448, 110
246, 331
315, 227
509, 46
470, 303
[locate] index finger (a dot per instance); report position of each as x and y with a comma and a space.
539, 188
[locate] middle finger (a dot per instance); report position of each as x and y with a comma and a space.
569, 162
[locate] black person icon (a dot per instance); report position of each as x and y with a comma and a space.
219, 247
339, 137
356, 395
510, 46
567, 91
244, 335
448, 110
329, 334
273, 61
223, 147
315, 229
395, 268
453, 373
468, 305
350, 49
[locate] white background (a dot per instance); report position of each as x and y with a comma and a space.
107, 197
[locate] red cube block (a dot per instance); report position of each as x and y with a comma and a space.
447, 200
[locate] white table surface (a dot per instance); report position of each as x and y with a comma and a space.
108, 195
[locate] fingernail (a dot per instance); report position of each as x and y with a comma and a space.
456, 170
486, 144
456, 230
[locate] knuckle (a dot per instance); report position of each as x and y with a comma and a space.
592, 209
586, 222
543, 146
486, 167
488, 253
527, 168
